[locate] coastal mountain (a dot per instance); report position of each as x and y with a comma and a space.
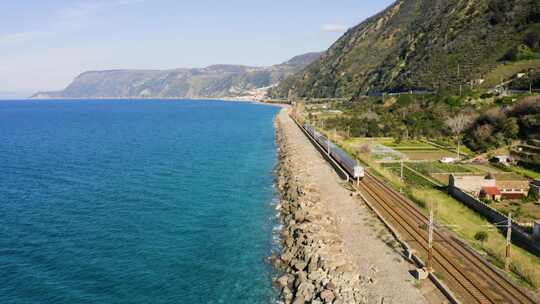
216, 81
434, 45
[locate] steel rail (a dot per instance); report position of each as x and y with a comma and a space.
499, 280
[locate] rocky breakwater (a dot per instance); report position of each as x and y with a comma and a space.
312, 262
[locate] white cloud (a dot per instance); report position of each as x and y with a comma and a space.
334, 28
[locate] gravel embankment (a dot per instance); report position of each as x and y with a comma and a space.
334, 250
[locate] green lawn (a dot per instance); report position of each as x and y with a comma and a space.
451, 145
409, 177
390, 142
438, 167
525, 172
412, 149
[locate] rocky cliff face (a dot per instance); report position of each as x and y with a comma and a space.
420, 45
211, 82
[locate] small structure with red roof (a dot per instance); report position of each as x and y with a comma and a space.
492, 193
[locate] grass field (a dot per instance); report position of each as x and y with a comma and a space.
412, 149
424, 155
390, 142
525, 172
437, 167
409, 177
452, 145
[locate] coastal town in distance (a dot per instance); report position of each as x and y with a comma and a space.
394, 157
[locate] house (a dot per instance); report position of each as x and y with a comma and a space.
447, 160
492, 193
513, 189
502, 159
476, 82
472, 184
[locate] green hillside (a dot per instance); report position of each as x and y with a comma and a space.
434, 45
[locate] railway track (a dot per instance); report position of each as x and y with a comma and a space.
467, 272
464, 270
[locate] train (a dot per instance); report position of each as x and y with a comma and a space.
340, 156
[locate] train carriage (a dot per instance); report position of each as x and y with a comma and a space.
340, 156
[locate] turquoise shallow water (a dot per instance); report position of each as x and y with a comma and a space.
136, 202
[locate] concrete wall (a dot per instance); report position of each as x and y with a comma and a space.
535, 187
471, 183
519, 233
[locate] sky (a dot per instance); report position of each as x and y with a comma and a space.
45, 44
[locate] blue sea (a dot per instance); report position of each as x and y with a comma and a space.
109, 201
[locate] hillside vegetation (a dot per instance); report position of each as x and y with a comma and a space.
486, 123
434, 45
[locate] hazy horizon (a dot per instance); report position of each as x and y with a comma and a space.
44, 45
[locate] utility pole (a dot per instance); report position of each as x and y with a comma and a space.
401, 185
429, 264
458, 154
328, 144
530, 82
459, 79
358, 178
508, 243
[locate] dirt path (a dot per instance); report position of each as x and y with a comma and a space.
366, 242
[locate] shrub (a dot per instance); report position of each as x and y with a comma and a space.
534, 12
486, 95
498, 10
486, 201
481, 236
532, 40
453, 101
534, 196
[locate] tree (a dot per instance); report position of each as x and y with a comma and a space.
511, 128
458, 124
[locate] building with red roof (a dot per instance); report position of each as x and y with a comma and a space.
492, 193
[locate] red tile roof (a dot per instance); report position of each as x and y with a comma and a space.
491, 190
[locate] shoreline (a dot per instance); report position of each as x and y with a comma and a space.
311, 260
333, 247
225, 99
